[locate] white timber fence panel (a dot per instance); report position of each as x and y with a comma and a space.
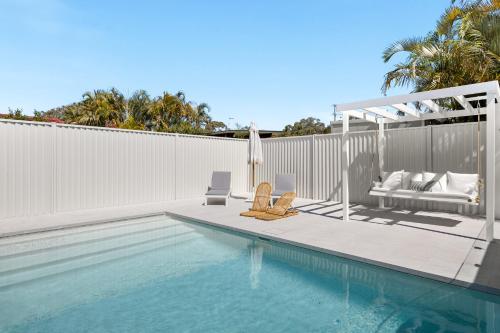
316, 160
52, 168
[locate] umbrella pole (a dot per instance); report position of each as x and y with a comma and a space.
251, 196
253, 176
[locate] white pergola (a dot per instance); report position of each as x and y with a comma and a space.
378, 111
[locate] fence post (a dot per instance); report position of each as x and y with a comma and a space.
54, 168
313, 167
428, 149
381, 156
175, 165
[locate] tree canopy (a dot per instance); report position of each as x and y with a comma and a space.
306, 126
464, 48
164, 113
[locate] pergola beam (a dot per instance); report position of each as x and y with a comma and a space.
477, 88
382, 112
428, 116
360, 115
432, 105
464, 103
407, 110
477, 98
442, 115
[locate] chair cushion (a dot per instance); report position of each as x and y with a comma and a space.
409, 178
392, 180
462, 183
420, 186
440, 181
221, 180
408, 194
217, 192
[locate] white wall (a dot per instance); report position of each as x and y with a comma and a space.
316, 160
48, 168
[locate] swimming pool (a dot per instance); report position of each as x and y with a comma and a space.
161, 274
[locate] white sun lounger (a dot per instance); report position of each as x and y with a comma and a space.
283, 183
220, 186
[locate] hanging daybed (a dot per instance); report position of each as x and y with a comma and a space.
464, 192
450, 187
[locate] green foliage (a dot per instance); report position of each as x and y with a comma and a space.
38, 116
215, 126
306, 126
165, 113
131, 124
16, 114
138, 107
98, 108
464, 48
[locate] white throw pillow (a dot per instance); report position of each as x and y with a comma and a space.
462, 182
440, 180
411, 177
392, 180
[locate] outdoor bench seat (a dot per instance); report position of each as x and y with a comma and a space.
450, 197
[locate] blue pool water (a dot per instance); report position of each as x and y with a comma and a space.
159, 274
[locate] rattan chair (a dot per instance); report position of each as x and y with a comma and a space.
261, 201
281, 208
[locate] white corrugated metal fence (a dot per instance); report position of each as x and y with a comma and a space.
316, 159
51, 168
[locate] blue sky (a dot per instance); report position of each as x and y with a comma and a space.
269, 61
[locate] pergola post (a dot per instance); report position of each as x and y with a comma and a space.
490, 166
381, 150
345, 166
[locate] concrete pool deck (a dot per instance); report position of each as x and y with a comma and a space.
443, 246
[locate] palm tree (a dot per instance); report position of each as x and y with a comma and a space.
202, 117
139, 106
462, 50
166, 113
98, 108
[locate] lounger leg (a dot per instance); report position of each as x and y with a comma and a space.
381, 203
226, 203
206, 201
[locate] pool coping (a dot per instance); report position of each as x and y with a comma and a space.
79, 224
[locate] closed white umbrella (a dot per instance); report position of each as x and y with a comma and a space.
254, 152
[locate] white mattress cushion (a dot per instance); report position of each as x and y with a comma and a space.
409, 177
421, 195
440, 179
465, 183
392, 180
